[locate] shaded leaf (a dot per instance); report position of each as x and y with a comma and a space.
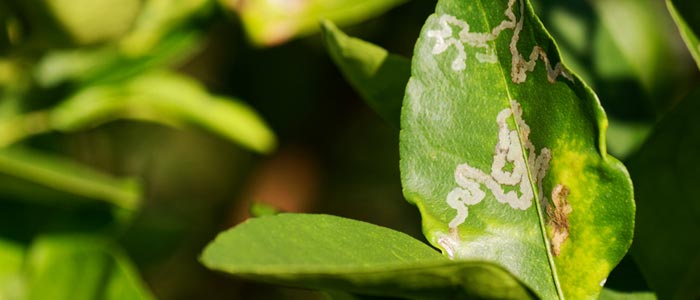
686, 14
333, 253
37, 176
165, 98
503, 151
668, 207
609, 294
378, 76
274, 22
81, 267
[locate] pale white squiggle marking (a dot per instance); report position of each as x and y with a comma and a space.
508, 150
444, 38
602, 283
520, 66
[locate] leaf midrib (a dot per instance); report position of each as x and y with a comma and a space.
543, 230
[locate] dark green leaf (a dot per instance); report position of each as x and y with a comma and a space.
686, 14
332, 253
503, 151
378, 76
609, 294
665, 173
41, 177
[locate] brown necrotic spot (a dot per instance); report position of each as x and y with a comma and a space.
558, 212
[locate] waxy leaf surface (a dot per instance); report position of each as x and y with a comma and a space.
333, 253
503, 151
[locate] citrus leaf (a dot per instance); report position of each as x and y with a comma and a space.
668, 206
333, 253
165, 98
503, 152
36, 176
81, 267
685, 14
273, 22
379, 77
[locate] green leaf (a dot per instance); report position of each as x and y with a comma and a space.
503, 151
274, 22
685, 14
165, 98
379, 77
333, 253
81, 267
36, 176
668, 207
609, 294
11, 260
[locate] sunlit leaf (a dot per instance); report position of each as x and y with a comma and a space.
686, 14
41, 177
81, 267
665, 173
274, 22
11, 261
333, 253
165, 98
503, 151
378, 76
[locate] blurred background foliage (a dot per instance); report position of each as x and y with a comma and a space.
132, 131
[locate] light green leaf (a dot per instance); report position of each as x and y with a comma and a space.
668, 206
11, 260
379, 77
503, 151
274, 22
165, 98
81, 267
333, 253
37, 176
685, 14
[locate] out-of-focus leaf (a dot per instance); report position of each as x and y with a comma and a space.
165, 98
665, 173
609, 294
641, 30
378, 76
259, 209
11, 261
157, 19
37, 176
624, 138
79, 22
109, 63
686, 14
81, 267
274, 22
503, 151
333, 253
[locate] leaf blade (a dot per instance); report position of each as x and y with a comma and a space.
328, 252
688, 24
665, 168
377, 75
469, 87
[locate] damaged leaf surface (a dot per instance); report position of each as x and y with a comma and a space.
503, 151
